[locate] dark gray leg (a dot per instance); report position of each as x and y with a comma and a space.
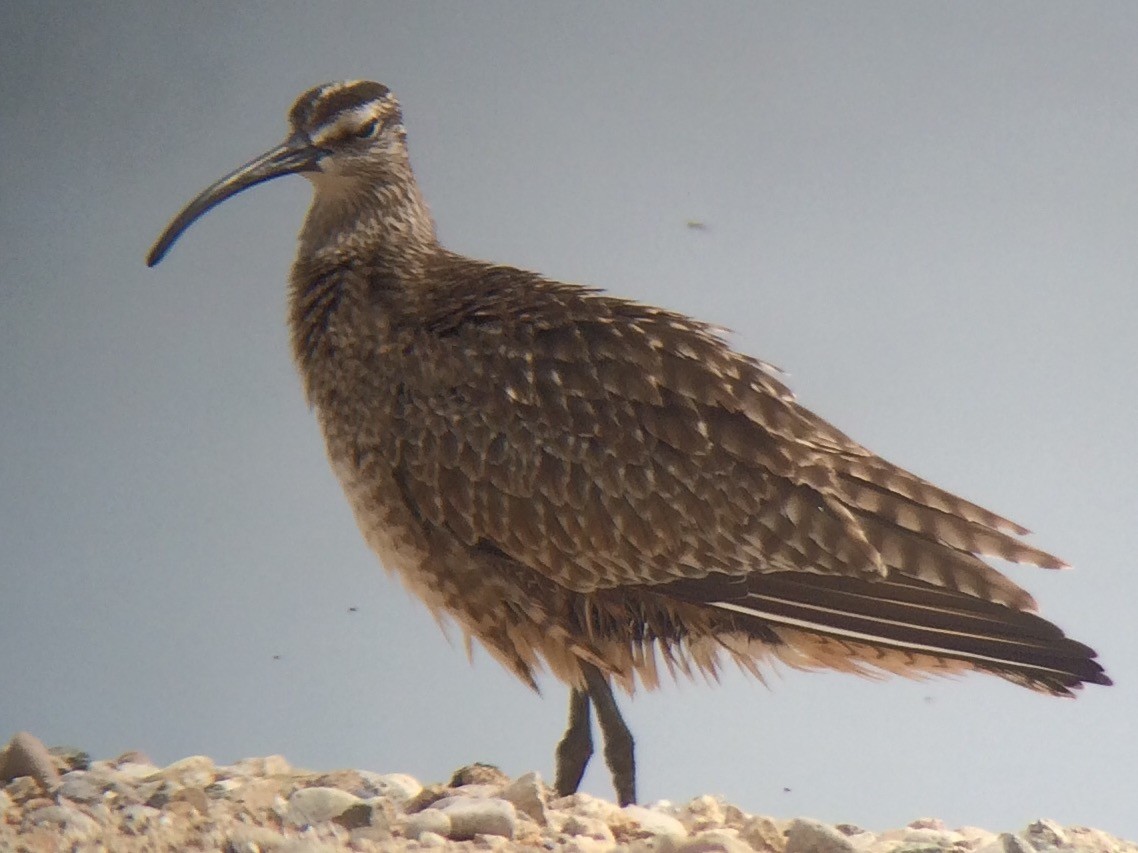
576, 747
618, 739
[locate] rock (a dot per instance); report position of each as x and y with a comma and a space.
869, 842
135, 772
1084, 838
70, 758
714, 841
352, 781
933, 838
103, 813
588, 827
23, 788
810, 836
374, 836
78, 787
73, 824
305, 845
976, 836
1046, 833
654, 823
25, 755
253, 839
223, 788
1007, 843
196, 771
258, 795
133, 756
763, 834
249, 807
426, 797
926, 823
316, 805
484, 816
583, 844
478, 774
396, 786
358, 816
585, 805
474, 791
157, 793
528, 796
195, 798
427, 822
733, 816
138, 819
702, 813
270, 765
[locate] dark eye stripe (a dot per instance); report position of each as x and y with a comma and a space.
320, 106
348, 98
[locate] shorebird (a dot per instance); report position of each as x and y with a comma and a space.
603, 488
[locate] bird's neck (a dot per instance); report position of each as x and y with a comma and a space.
379, 222
363, 250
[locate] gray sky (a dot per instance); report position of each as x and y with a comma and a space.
926, 213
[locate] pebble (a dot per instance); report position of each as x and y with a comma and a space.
480, 816
1006, 843
270, 765
652, 822
588, 827
60, 799
427, 822
762, 833
316, 805
131, 756
76, 786
138, 819
702, 813
25, 755
196, 770
396, 786
811, 836
72, 825
478, 774
253, 839
528, 796
714, 841
195, 798
1046, 833
70, 758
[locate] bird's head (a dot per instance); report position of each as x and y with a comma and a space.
343, 137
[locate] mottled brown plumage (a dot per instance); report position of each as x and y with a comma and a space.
604, 488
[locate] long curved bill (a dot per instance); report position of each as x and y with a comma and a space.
295, 155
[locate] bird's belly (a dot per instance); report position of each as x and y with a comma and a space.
388, 527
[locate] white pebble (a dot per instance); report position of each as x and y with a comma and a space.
315, 805
654, 822
811, 836
481, 816
426, 822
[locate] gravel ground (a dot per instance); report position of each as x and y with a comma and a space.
60, 800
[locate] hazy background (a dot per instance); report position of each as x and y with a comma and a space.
927, 213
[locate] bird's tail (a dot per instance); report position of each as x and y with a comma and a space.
897, 624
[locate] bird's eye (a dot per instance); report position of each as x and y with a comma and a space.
367, 129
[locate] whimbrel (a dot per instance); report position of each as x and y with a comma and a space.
603, 488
